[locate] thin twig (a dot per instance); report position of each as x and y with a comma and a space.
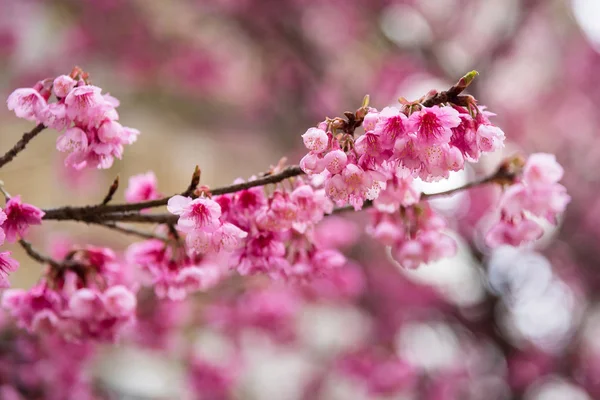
21, 144
130, 231
111, 191
37, 256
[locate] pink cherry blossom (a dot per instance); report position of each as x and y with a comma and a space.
199, 214
542, 169
335, 161
142, 187
73, 140
19, 216
7, 264
62, 85
433, 125
315, 140
228, 237
536, 193
83, 101
513, 233
392, 125
27, 103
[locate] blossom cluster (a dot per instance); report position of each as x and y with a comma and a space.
14, 224
92, 135
280, 230
91, 300
429, 142
260, 232
415, 235
536, 194
172, 272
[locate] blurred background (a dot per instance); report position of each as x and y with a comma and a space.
231, 84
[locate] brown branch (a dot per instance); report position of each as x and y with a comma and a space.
503, 175
21, 144
83, 213
131, 231
43, 259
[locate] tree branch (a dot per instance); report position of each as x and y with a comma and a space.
81, 213
130, 231
21, 144
501, 176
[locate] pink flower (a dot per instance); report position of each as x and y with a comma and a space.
19, 216
27, 103
264, 252
513, 233
7, 264
312, 164
315, 140
433, 125
119, 301
55, 116
73, 140
335, 161
173, 277
228, 237
110, 131
489, 138
392, 125
62, 85
542, 169
399, 190
200, 214
142, 187
370, 120
187, 280
537, 193
83, 101
416, 236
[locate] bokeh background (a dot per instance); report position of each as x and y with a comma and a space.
229, 85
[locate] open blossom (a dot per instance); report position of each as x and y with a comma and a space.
391, 125
538, 194
199, 214
433, 125
27, 103
19, 216
142, 187
206, 231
